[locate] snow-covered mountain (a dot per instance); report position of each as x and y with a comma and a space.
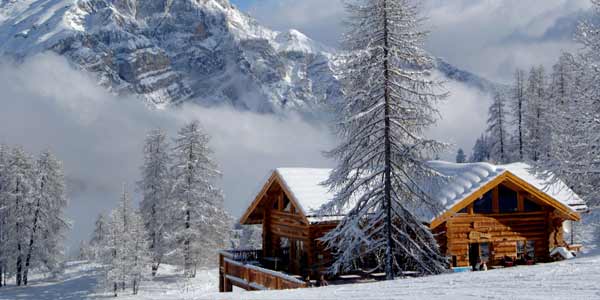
172, 51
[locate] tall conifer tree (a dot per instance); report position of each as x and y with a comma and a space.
390, 100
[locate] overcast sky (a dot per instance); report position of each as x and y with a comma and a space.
487, 37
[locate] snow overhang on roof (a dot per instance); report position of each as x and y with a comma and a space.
456, 183
464, 179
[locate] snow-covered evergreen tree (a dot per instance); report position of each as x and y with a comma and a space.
4, 251
32, 223
137, 252
481, 150
155, 188
496, 131
125, 250
99, 236
47, 224
460, 156
199, 222
390, 100
20, 187
517, 108
536, 119
575, 137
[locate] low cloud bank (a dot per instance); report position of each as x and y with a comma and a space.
45, 103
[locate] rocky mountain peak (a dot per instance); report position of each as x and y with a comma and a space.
174, 51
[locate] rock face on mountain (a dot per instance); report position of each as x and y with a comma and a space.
172, 51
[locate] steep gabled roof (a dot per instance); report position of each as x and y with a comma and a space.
458, 185
465, 183
303, 187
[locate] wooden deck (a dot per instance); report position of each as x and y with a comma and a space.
240, 268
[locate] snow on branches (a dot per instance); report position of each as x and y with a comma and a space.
32, 222
390, 100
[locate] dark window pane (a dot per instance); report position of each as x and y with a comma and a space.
484, 249
464, 210
507, 200
529, 205
520, 248
530, 250
483, 205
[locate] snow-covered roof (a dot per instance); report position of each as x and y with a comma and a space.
464, 179
459, 182
306, 188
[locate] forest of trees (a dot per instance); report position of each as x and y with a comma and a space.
550, 119
181, 219
32, 222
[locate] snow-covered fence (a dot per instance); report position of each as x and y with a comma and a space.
251, 277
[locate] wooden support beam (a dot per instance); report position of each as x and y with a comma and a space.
496, 200
520, 201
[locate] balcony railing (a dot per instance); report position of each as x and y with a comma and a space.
242, 268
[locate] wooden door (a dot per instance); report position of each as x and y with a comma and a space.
297, 257
473, 254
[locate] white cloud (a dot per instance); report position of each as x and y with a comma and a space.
45, 103
480, 35
321, 20
463, 118
473, 34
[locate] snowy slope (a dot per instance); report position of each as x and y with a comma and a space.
574, 279
169, 52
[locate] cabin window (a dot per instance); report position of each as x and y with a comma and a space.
526, 248
530, 249
529, 206
507, 200
287, 204
484, 204
520, 248
484, 249
464, 210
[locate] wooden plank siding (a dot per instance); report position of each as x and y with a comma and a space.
502, 231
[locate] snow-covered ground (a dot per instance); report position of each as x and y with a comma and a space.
79, 281
574, 279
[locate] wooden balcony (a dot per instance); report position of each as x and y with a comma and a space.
243, 268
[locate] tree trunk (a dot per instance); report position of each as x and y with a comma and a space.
187, 254
19, 272
135, 286
32, 237
387, 197
19, 268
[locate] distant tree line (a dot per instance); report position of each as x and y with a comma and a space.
552, 119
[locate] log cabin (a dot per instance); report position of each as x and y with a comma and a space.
486, 213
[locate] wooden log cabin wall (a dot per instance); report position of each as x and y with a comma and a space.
506, 221
290, 240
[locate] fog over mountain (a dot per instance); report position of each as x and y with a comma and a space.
170, 52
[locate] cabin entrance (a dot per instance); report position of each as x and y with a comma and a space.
477, 252
298, 257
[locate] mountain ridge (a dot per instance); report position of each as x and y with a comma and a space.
170, 52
